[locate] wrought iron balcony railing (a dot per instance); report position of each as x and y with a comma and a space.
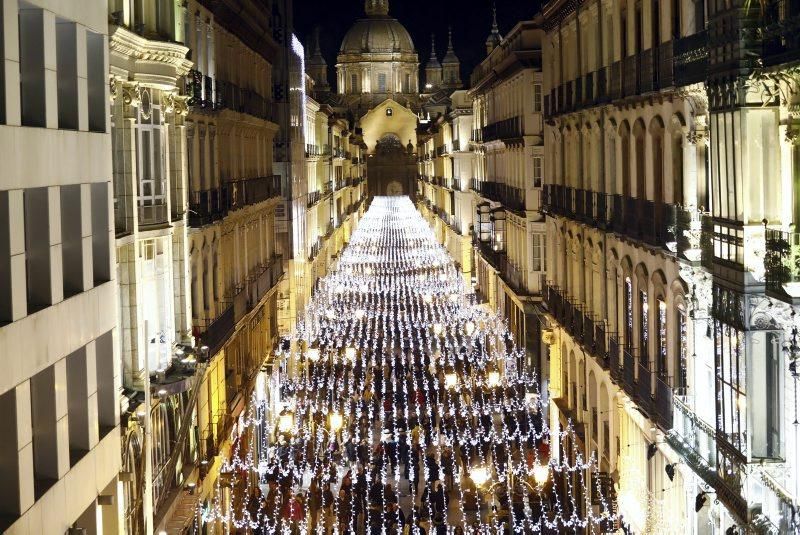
782, 264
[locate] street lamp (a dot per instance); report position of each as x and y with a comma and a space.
286, 421
350, 355
335, 421
469, 328
437, 329
493, 378
450, 380
313, 354
541, 474
479, 475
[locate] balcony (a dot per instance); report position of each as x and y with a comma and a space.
663, 403
656, 224
206, 206
313, 150
510, 197
644, 386
782, 265
313, 198
629, 363
585, 330
232, 97
678, 62
696, 442
780, 29
200, 90
510, 128
151, 215
215, 332
690, 59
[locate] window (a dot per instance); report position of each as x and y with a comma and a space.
683, 348
537, 171
628, 311
644, 327
31, 67
101, 245
37, 249
731, 397
661, 340
537, 98
78, 420
67, 74
389, 112
44, 427
538, 247
676, 19
382, 83
150, 149
96, 81
354, 83
407, 84
107, 417
71, 240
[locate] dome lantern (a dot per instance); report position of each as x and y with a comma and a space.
376, 7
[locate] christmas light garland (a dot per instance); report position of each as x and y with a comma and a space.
390, 339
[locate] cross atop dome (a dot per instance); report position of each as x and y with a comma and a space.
376, 7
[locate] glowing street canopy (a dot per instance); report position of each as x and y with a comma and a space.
412, 363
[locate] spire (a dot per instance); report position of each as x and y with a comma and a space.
316, 65
494, 37
450, 55
376, 7
433, 60
433, 69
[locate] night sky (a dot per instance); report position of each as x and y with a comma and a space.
471, 21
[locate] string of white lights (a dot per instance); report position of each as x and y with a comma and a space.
395, 355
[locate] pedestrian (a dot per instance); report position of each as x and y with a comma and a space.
344, 509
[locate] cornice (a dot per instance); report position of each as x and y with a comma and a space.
145, 56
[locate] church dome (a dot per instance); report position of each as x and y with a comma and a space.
378, 34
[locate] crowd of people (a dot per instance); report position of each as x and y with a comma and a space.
409, 408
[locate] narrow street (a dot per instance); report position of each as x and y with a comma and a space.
409, 407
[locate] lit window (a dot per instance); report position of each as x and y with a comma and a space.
538, 251
389, 112
644, 333
537, 171
537, 98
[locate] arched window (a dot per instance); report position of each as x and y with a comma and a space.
662, 364
625, 156
627, 303
677, 167
644, 327
641, 172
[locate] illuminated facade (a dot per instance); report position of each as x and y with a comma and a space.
336, 172
198, 258
480, 169
58, 318
672, 343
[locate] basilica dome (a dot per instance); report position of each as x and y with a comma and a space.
377, 34
377, 55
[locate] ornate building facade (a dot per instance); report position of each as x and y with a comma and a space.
669, 256
198, 256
